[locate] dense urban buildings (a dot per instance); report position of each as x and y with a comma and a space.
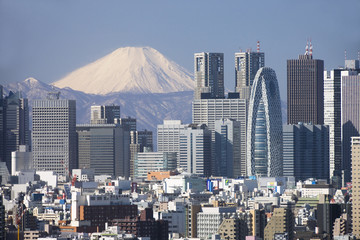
209, 75
153, 162
246, 66
227, 144
54, 134
264, 131
305, 90
306, 151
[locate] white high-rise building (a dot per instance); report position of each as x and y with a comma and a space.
195, 150
207, 111
264, 130
104, 114
168, 135
54, 134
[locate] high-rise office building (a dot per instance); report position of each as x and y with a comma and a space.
128, 123
2, 126
227, 146
355, 157
264, 129
16, 124
350, 112
138, 141
305, 90
306, 151
168, 135
332, 118
246, 66
104, 148
209, 75
54, 134
104, 114
207, 111
195, 150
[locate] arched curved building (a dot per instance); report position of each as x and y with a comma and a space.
264, 130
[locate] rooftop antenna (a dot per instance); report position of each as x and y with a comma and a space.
345, 54
258, 46
307, 48
311, 48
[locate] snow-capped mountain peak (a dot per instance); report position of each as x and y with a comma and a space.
129, 69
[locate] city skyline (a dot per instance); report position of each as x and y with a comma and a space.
53, 54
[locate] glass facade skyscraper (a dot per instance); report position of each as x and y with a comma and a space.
264, 129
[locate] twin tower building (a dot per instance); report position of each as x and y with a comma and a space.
247, 125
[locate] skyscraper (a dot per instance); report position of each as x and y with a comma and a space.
209, 75
350, 111
16, 124
355, 154
264, 129
104, 114
104, 148
54, 134
168, 135
207, 111
2, 126
195, 150
138, 141
306, 151
246, 66
305, 89
227, 144
332, 118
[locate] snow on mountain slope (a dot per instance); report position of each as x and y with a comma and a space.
129, 69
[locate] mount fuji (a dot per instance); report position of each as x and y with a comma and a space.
131, 70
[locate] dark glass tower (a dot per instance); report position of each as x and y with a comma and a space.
305, 90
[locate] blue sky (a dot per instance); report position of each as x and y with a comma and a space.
47, 39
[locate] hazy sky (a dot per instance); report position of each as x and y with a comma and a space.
47, 39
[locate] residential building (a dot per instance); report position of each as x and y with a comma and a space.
282, 221
306, 151
54, 134
305, 89
246, 66
209, 75
264, 131
227, 144
195, 150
